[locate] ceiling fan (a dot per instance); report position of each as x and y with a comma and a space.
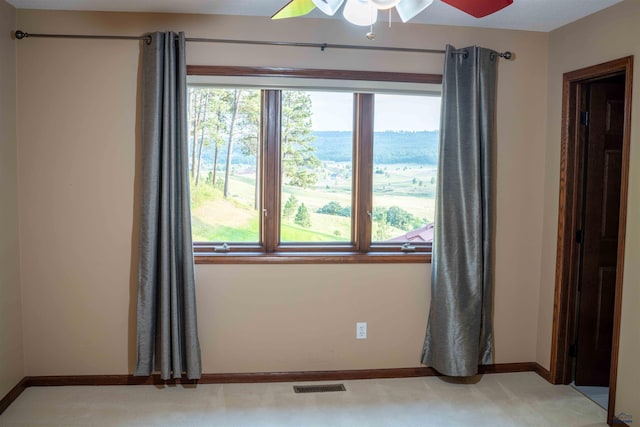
364, 12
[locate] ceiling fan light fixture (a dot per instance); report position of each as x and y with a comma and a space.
384, 4
329, 7
408, 9
360, 12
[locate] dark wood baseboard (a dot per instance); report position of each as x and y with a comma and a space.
505, 368
250, 377
544, 373
261, 377
12, 395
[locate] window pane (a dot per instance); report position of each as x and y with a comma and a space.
405, 157
224, 133
316, 163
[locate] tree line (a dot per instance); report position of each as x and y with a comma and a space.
220, 119
390, 147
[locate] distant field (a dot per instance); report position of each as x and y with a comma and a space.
407, 186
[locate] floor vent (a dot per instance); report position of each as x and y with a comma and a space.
318, 388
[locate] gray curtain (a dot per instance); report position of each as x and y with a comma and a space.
459, 330
167, 336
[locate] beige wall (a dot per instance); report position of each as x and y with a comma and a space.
11, 356
608, 35
77, 125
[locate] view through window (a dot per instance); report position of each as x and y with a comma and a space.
316, 162
405, 159
224, 154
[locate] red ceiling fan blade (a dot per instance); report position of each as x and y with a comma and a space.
479, 8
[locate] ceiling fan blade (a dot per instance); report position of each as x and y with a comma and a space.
479, 8
408, 9
294, 8
329, 7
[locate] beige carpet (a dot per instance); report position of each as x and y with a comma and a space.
520, 399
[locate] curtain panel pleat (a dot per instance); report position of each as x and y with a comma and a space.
459, 330
167, 336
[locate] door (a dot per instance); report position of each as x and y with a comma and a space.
603, 125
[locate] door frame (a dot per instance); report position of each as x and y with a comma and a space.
568, 210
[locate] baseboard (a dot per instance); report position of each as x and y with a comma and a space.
544, 373
505, 368
261, 377
251, 377
12, 395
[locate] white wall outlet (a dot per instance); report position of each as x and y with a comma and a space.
361, 330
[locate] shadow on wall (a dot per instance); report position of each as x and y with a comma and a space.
133, 275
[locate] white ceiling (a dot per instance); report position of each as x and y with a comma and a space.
532, 15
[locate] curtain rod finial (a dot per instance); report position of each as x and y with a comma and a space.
21, 35
506, 55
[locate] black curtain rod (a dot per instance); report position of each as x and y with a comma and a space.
322, 46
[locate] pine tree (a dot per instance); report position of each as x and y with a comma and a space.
290, 206
299, 161
303, 219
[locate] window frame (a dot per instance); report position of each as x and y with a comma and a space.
361, 249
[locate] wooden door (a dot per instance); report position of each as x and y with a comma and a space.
603, 126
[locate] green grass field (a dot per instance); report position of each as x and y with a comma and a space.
215, 219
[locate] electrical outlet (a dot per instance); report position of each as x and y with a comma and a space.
361, 330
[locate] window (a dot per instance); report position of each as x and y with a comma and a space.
224, 159
316, 159
312, 172
405, 157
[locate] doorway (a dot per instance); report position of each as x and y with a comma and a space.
591, 229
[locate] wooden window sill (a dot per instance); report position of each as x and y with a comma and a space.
312, 258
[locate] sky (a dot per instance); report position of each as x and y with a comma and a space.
334, 111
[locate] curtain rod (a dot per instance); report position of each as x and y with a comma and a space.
322, 46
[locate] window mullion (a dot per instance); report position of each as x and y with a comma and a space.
363, 169
271, 121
